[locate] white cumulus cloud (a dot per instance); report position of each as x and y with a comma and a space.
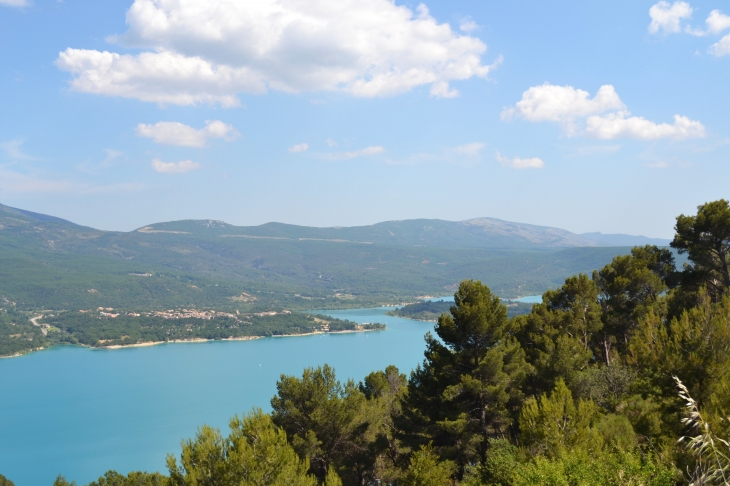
721, 48
174, 167
176, 133
442, 89
209, 51
563, 104
302, 147
620, 125
331, 143
668, 17
717, 22
604, 116
520, 163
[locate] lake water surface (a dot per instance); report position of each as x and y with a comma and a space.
79, 412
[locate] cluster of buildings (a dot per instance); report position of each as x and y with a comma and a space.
179, 313
271, 313
191, 314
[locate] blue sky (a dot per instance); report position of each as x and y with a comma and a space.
589, 116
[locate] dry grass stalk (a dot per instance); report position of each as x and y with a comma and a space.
713, 465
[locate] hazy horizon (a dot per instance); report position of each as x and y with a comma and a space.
349, 226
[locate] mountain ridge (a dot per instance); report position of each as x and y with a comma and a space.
471, 233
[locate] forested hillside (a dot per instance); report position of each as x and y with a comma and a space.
596, 385
50, 263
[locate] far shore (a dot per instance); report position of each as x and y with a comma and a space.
321, 332
241, 338
189, 341
16, 355
193, 340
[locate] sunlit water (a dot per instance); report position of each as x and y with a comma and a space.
79, 412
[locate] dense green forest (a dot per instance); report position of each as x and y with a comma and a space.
103, 329
172, 271
594, 386
432, 310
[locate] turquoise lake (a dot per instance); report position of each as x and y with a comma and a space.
79, 412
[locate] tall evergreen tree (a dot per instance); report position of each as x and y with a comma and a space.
326, 422
705, 238
384, 391
561, 334
629, 287
470, 386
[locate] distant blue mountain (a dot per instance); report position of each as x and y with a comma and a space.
624, 240
432, 233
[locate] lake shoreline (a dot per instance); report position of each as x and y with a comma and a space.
174, 341
17, 355
183, 341
204, 340
320, 332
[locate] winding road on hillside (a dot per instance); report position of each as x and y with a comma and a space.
34, 320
